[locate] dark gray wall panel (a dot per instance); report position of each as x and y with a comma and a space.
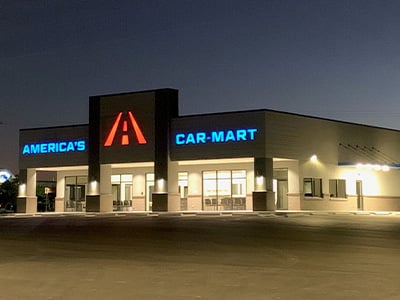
204, 136
50, 147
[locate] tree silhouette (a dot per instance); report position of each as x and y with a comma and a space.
9, 192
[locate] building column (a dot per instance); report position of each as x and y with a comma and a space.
99, 197
165, 193
174, 198
27, 200
106, 204
263, 195
59, 205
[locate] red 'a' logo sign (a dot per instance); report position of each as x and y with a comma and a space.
125, 133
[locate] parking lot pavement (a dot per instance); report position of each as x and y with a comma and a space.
200, 256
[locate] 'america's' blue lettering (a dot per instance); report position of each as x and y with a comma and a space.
54, 147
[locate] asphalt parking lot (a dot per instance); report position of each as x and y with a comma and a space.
170, 256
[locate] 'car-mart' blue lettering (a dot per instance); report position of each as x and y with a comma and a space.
216, 136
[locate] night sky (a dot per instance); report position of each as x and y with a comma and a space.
334, 59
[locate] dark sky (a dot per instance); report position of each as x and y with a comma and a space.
335, 59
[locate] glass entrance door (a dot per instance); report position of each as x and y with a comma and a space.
75, 193
149, 191
224, 190
281, 188
121, 185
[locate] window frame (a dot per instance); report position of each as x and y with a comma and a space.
314, 183
339, 190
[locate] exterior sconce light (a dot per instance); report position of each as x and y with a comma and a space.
94, 188
314, 158
161, 185
22, 190
260, 183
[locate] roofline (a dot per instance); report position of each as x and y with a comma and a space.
225, 113
333, 120
289, 113
54, 127
135, 92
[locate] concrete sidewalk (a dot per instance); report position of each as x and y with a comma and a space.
207, 213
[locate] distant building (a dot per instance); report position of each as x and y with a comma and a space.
138, 154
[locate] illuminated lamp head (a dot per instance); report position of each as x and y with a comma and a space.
5, 175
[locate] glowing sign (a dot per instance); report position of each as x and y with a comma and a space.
54, 147
125, 138
5, 175
217, 136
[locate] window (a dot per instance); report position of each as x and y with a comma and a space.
312, 187
75, 193
337, 188
224, 190
149, 191
183, 184
122, 191
183, 188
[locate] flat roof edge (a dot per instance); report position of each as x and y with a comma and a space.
55, 127
134, 92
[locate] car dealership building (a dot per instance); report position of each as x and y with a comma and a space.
138, 154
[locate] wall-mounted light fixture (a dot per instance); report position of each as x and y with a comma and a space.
93, 188
314, 158
161, 186
260, 183
22, 190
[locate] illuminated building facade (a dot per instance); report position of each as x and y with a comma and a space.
138, 154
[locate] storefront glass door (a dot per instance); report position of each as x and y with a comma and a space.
281, 188
224, 190
122, 192
149, 190
75, 193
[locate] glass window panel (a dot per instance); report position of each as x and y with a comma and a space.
183, 176
128, 191
209, 174
69, 192
126, 178
224, 174
224, 190
115, 178
238, 180
341, 188
80, 193
307, 186
239, 174
81, 180
281, 174
115, 192
210, 188
224, 187
239, 187
317, 187
332, 187
150, 176
70, 180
